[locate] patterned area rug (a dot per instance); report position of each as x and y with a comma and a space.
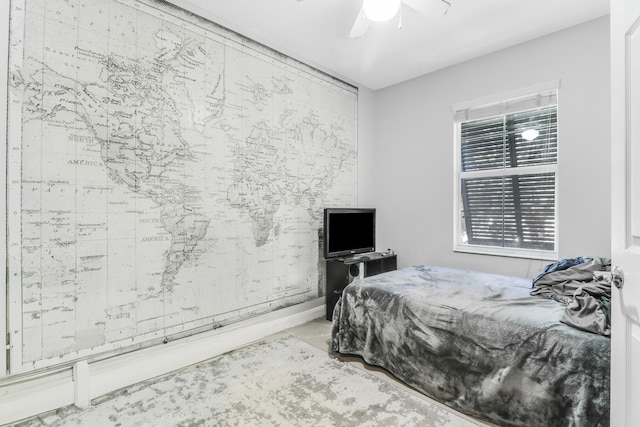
286, 382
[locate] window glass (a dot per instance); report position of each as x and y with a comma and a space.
507, 182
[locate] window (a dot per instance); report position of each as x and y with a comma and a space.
507, 156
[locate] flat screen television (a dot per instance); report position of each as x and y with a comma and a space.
349, 231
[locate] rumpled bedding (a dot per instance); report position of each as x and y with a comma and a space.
572, 283
478, 343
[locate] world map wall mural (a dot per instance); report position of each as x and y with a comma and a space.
164, 174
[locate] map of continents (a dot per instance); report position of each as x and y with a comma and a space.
172, 173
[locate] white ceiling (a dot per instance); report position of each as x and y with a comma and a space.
316, 32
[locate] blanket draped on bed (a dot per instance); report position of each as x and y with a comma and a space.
478, 343
571, 282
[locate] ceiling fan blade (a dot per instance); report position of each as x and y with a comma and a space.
429, 7
360, 26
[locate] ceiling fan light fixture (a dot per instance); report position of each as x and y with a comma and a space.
530, 134
380, 10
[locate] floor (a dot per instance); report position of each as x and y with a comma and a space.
318, 333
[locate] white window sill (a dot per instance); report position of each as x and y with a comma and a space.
507, 252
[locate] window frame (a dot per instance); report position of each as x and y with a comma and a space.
493, 106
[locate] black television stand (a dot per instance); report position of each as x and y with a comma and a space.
342, 271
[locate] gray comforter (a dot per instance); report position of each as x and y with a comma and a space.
572, 283
478, 343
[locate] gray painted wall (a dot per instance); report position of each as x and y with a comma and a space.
406, 148
367, 191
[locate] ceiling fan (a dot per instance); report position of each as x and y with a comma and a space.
383, 10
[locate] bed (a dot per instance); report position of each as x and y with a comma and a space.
479, 343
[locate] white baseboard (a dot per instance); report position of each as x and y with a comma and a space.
104, 376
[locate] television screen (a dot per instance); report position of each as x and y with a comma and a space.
349, 231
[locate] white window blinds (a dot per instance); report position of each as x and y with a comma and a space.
477, 110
